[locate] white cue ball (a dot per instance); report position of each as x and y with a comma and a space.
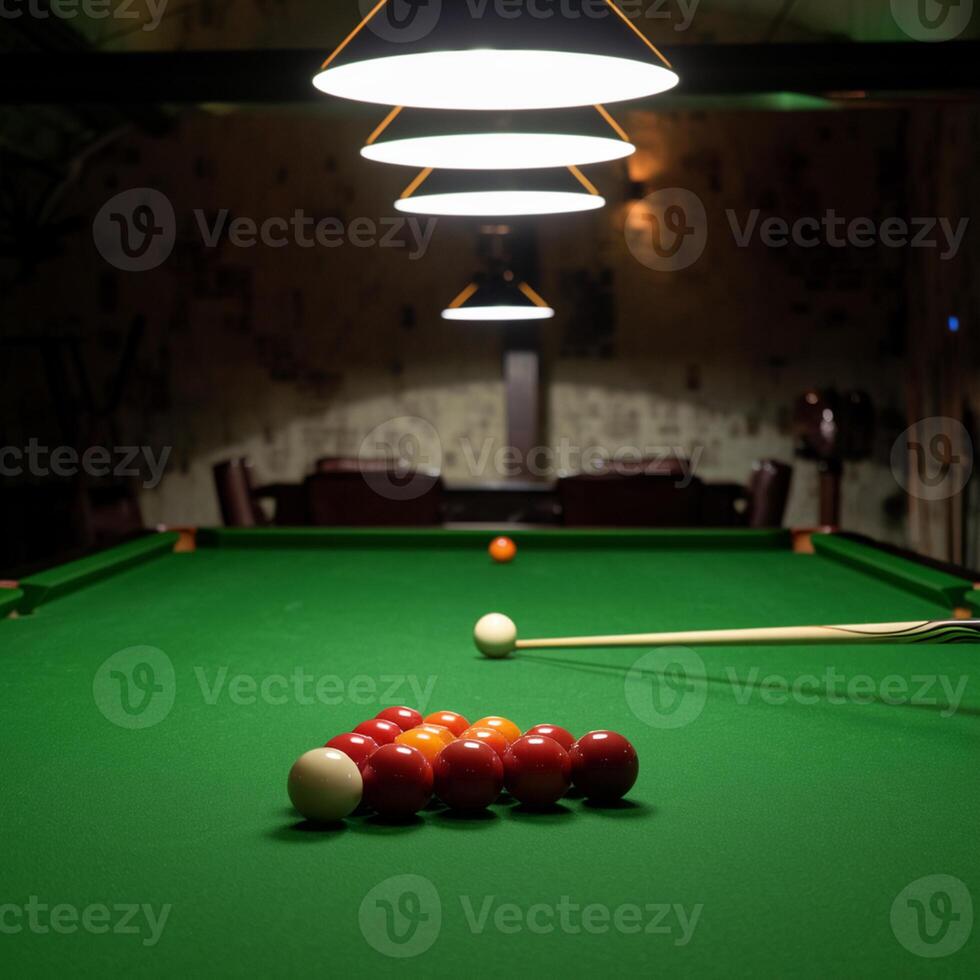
324, 785
495, 635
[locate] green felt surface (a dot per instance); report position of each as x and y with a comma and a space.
74, 575
920, 579
786, 813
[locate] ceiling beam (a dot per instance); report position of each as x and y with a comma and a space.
283, 76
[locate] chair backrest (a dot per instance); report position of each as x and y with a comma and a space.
233, 483
769, 492
109, 514
351, 464
724, 505
629, 501
372, 497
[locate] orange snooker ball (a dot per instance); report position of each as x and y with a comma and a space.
440, 731
456, 723
502, 550
505, 726
490, 736
428, 743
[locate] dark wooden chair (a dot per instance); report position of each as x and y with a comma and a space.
107, 514
49, 522
236, 495
761, 503
652, 494
768, 493
374, 494
351, 464
641, 500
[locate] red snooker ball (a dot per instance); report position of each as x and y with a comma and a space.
383, 732
604, 766
357, 748
468, 775
404, 718
397, 781
537, 770
561, 735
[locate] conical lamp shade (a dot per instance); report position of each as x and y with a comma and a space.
498, 141
498, 298
461, 54
499, 193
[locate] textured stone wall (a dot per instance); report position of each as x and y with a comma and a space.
285, 354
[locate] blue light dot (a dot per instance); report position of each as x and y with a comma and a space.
954, 324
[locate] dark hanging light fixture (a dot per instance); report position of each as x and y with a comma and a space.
498, 141
492, 56
499, 193
498, 297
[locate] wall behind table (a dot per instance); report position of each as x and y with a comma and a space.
286, 354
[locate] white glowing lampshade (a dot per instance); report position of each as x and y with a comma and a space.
498, 298
498, 313
498, 141
463, 55
499, 193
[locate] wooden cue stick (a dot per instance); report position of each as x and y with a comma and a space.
919, 631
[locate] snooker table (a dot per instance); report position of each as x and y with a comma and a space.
800, 810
